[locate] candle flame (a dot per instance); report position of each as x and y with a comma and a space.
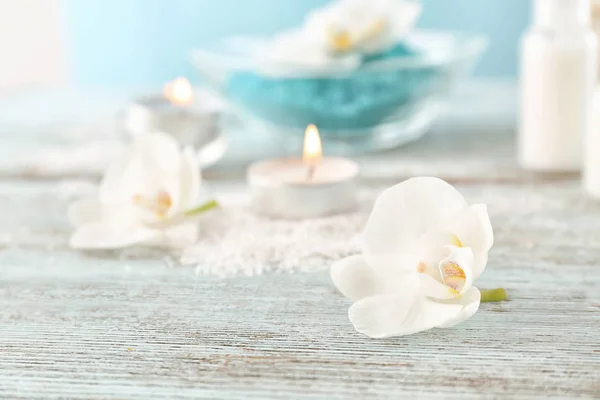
179, 92
312, 146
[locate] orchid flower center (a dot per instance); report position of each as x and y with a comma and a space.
452, 275
159, 203
446, 271
341, 40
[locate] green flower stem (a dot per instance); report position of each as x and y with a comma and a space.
490, 295
202, 208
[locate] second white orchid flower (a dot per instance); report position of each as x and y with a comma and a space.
335, 38
423, 249
148, 196
362, 26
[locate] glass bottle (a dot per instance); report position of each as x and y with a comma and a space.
558, 76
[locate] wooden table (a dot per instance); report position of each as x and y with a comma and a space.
93, 326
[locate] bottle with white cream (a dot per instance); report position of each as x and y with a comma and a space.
558, 76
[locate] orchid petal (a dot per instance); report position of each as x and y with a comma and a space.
405, 17
299, 50
434, 289
473, 228
393, 267
111, 235
470, 302
190, 180
479, 263
112, 186
399, 314
85, 211
432, 246
148, 166
175, 188
161, 150
401, 215
356, 280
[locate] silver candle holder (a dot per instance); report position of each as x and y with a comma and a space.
191, 120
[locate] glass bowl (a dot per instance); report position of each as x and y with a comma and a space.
388, 100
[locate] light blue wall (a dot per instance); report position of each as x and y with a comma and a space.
502, 20
141, 42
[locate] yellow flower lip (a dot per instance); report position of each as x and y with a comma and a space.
453, 276
452, 270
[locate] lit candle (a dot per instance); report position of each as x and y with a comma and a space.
312, 153
308, 187
179, 92
178, 112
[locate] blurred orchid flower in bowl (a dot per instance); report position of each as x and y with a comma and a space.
150, 195
423, 249
362, 26
335, 38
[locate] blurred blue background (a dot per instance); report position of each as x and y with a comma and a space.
147, 42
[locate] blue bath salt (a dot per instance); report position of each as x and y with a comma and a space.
362, 100
398, 51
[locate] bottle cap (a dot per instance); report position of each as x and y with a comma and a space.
555, 13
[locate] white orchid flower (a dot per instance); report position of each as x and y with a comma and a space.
147, 196
335, 37
423, 249
293, 51
363, 26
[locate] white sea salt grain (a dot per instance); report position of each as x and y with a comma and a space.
235, 241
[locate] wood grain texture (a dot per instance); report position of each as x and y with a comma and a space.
116, 325
89, 328
88, 325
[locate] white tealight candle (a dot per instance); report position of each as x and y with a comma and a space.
304, 188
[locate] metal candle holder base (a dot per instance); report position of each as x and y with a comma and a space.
190, 125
